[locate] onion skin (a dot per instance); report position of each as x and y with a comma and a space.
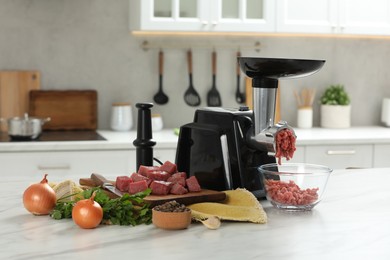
40, 198
87, 213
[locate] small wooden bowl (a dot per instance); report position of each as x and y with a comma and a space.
171, 220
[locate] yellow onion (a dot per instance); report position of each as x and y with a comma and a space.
39, 198
87, 213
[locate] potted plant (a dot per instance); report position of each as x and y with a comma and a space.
335, 108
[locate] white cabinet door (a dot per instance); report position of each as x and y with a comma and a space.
203, 15
340, 156
80, 163
299, 156
169, 15
307, 16
165, 154
334, 16
365, 17
243, 16
381, 155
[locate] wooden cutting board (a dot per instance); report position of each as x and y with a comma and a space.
186, 199
68, 109
14, 92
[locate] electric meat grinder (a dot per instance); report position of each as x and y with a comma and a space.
224, 147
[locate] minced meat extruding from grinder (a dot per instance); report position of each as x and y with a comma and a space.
285, 144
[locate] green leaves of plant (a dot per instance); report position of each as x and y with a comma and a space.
127, 210
335, 95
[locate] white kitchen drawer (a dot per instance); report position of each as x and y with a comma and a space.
80, 163
299, 156
340, 156
381, 155
165, 154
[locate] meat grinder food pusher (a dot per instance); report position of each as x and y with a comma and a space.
224, 147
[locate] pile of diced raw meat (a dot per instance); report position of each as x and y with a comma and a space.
162, 180
289, 193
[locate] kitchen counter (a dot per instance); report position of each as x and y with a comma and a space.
351, 222
114, 141
166, 139
353, 135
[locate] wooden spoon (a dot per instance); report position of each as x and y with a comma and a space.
212, 222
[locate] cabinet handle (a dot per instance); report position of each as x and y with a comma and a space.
214, 23
341, 152
59, 167
205, 22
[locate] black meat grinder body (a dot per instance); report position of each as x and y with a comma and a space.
213, 148
224, 147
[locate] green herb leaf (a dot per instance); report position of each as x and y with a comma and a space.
127, 210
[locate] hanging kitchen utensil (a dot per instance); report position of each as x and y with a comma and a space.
213, 97
191, 97
160, 97
240, 97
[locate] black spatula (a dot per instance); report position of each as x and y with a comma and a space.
213, 97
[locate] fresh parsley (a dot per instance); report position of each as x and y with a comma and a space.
127, 210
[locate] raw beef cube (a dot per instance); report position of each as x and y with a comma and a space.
138, 177
168, 167
138, 186
122, 183
180, 174
177, 179
160, 187
193, 184
143, 170
178, 189
158, 175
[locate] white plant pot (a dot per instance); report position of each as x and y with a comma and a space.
335, 116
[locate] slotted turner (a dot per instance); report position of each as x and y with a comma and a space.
213, 97
191, 97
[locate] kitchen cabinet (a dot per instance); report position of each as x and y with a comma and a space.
334, 16
63, 163
81, 163
165, 154
340, 156
203, 15
381, 155
299, 155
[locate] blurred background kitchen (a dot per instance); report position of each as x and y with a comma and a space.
88, 44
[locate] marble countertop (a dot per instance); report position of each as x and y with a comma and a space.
352, 222
166, 139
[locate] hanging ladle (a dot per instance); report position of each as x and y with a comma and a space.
160, 98
191, 97
240, 97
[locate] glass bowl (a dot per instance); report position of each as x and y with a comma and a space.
294, 186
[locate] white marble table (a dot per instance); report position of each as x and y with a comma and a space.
352, 222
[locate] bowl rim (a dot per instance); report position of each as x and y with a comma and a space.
322, 169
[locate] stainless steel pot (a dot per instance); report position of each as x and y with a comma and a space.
25, 128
